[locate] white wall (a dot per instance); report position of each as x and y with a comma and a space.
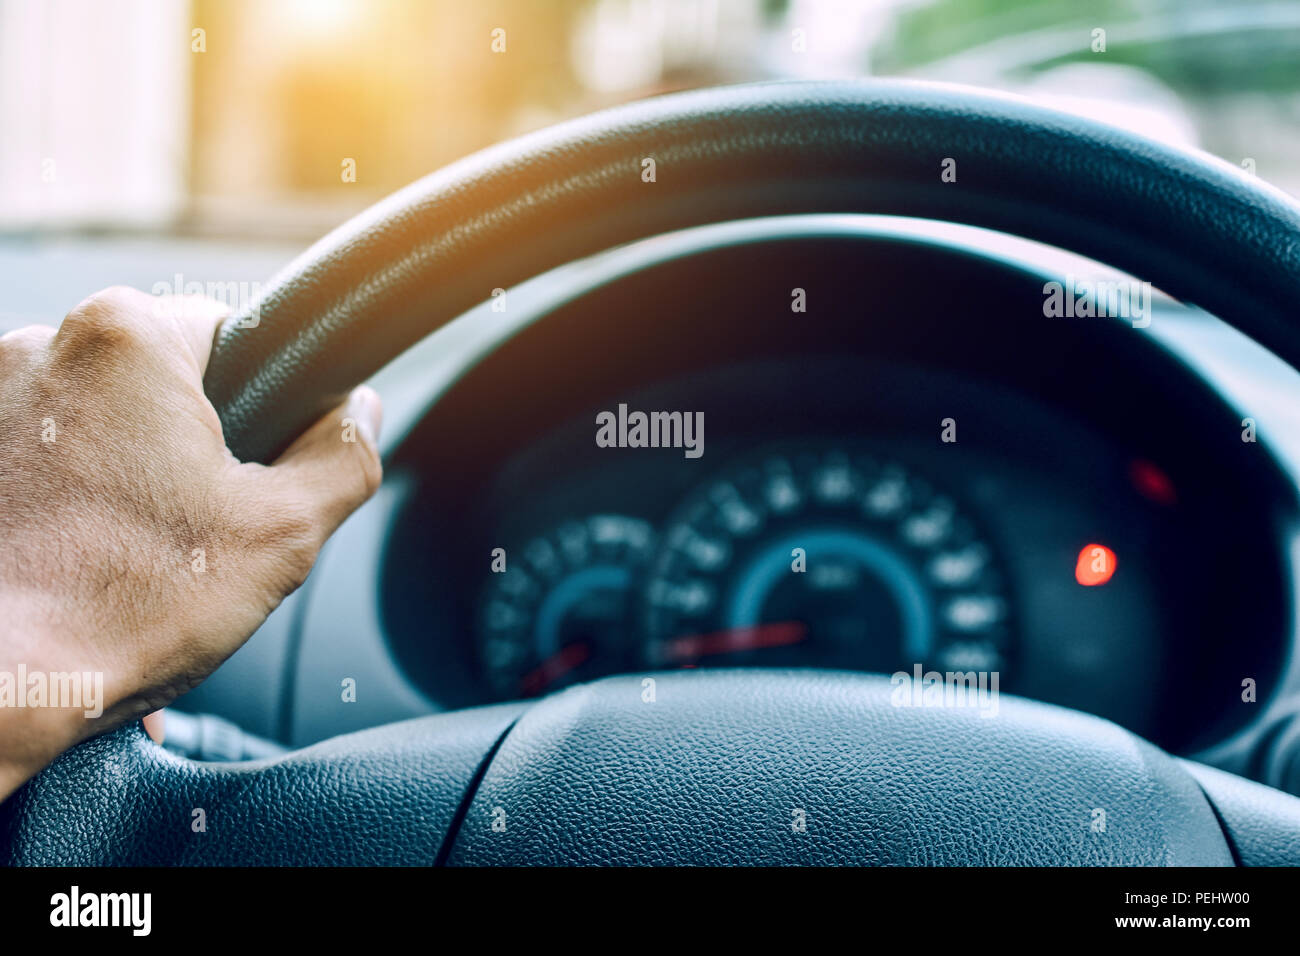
94, 105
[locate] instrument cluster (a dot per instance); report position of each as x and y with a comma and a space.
813, 554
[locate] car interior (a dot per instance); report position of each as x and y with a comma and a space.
876, 451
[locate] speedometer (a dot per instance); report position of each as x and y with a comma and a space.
559, 611
826, 558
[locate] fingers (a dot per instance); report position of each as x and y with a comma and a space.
150, 352
121, 315
198, 318
154, 725
333, 467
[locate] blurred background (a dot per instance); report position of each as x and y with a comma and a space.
240, 130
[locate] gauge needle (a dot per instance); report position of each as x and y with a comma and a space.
776, 634
553, 668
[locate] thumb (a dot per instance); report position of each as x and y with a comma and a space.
334, 467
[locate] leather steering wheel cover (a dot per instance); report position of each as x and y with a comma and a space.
1196, 227
388, 796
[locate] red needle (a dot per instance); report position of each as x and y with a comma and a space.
777, 634
553, 668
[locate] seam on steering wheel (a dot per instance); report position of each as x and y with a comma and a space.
471, 791
1223, 825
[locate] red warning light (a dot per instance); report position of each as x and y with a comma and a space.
1095, 566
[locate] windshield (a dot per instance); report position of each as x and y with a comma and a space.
280, 118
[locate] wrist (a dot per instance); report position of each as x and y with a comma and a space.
29, 740
46, 703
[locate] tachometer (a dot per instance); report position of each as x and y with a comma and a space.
825, 558
560, 612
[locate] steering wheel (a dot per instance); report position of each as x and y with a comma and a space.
704, 767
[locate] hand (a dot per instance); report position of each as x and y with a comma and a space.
133, 545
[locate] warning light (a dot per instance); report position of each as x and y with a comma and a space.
1095, 566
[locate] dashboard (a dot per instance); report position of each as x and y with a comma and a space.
1028, 546
883, 482
877, 495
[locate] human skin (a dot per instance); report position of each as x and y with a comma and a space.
132, 542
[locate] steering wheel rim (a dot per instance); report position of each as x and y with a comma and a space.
1197, 228
1201, 230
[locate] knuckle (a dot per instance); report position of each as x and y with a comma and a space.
117, 296
29, 339
107, 319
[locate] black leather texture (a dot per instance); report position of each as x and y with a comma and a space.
713, 772
1200, 229
1262, 824
386, 796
